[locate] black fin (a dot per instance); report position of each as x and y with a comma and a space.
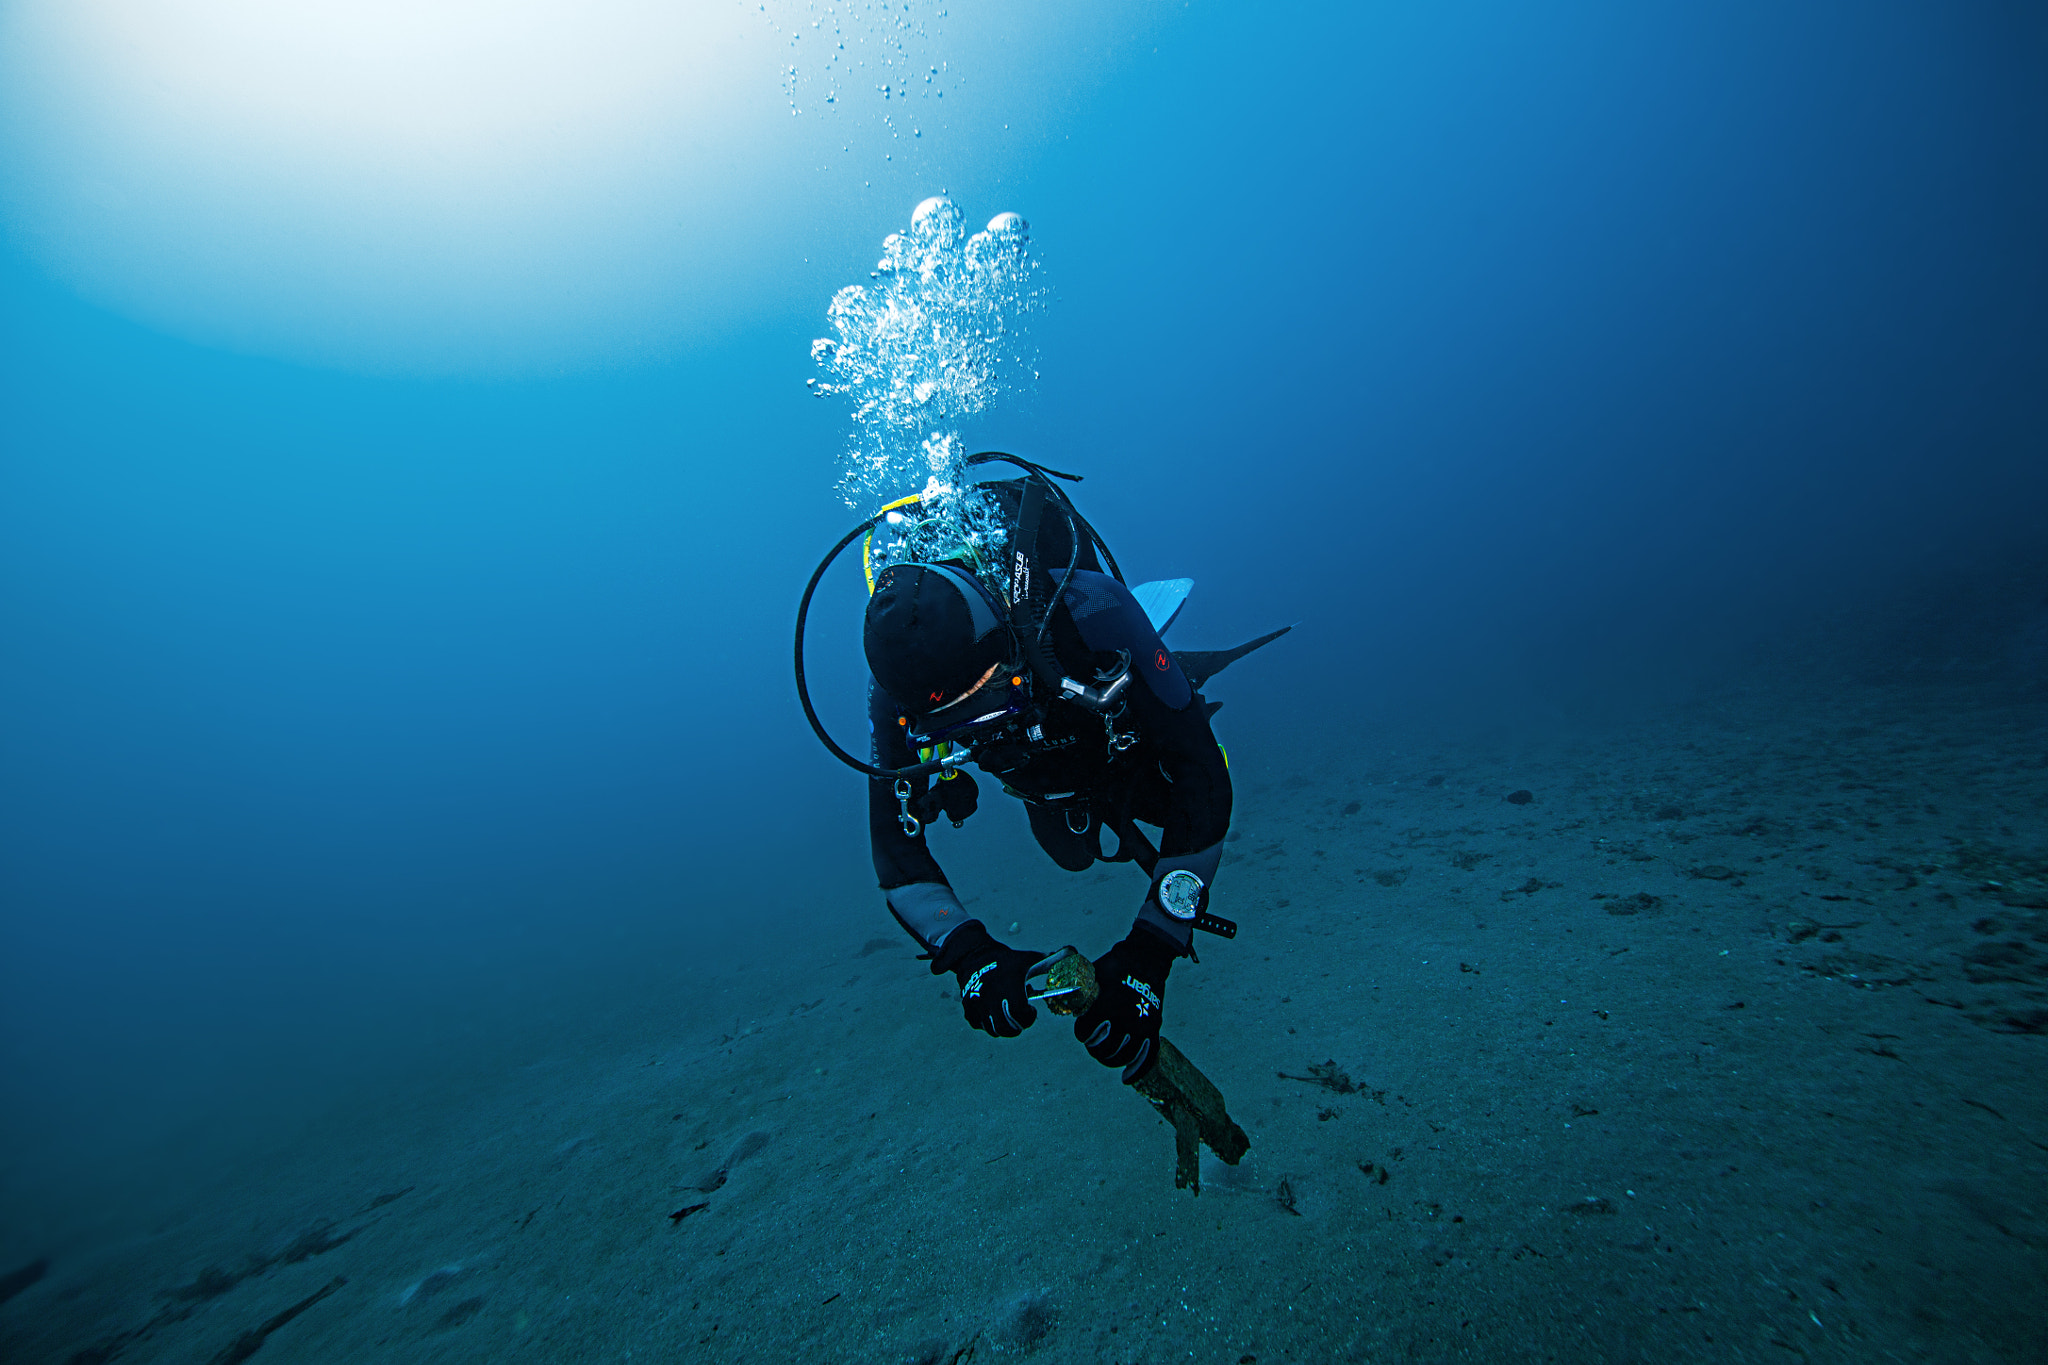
1203, 664
1210, 708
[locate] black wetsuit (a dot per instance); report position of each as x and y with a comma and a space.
1171, 775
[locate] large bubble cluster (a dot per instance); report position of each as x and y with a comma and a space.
936, 339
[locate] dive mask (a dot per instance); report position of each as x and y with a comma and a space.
999, 702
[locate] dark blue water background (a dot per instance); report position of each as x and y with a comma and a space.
1542, 361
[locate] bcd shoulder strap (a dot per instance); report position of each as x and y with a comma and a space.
1025, 572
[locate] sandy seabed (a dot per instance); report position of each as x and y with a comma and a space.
1725, 1045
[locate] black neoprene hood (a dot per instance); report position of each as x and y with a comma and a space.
931, 633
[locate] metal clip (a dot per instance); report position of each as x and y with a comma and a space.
1119, 741
903, 816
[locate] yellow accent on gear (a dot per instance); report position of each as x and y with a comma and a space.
867, 544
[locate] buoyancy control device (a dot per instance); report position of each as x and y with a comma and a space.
1047, 541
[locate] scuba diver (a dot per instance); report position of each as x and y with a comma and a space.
1049, 674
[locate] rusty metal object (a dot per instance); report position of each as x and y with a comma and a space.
1070, 984
1175, 1086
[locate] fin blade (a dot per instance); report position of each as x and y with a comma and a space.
1162, 600
1203, 664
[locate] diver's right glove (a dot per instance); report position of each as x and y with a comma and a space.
954, 796
993, 993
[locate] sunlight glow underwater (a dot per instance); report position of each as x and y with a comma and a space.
447, 187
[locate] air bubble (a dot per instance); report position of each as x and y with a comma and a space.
939, 338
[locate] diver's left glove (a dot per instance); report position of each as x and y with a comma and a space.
993, 993
1122, 1027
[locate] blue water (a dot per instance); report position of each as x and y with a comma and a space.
1538, 360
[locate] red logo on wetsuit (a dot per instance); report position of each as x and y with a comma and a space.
1161, 662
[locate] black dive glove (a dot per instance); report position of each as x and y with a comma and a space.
954, 796
1122, 1027
993, 993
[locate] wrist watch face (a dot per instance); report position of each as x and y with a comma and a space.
1180, 893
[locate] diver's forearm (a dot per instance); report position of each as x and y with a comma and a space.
929, 911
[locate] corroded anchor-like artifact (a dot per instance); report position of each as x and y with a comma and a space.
1174, 1086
